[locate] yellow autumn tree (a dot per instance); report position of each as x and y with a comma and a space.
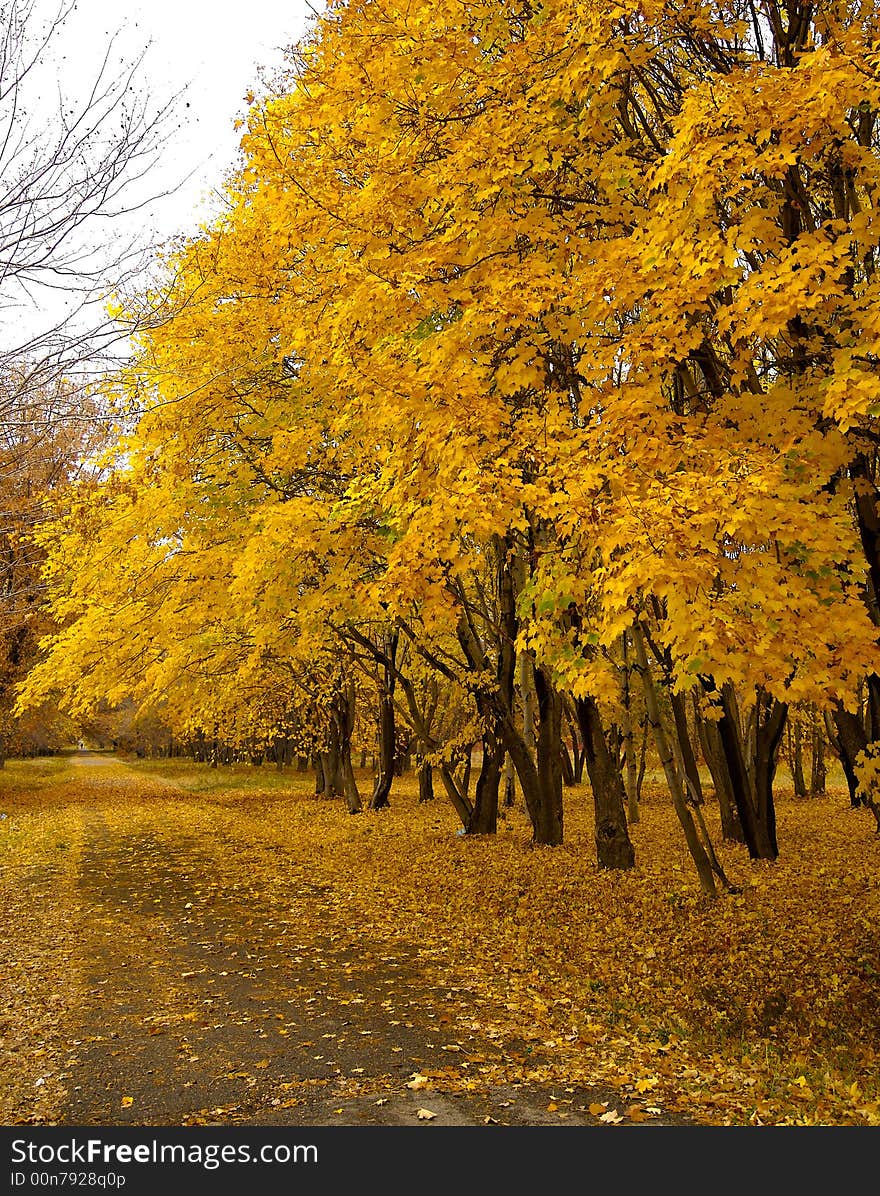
538, 331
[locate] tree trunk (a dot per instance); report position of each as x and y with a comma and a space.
567, 764
331, 768
426, 782
713, 754
460, 801
527, 695
387, 748
338, 770
548, 823
484, 819
541, 779
509, 782
818, 773
689, 760
578, 753
698, 852
850, 739
614, 848
629, 743
795, 737
465, 782
753, 786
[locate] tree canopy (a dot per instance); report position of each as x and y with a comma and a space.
538, 335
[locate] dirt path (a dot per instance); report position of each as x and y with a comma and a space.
206, 999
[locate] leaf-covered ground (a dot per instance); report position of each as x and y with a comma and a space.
189, 945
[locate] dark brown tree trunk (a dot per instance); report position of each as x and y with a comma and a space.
484, 819
320, 775
852, 740
387, 749
426, 781
614, 848
332, 770
344, 714
465, 782
509, 782
689, 760
873, 707
338, 771
566, 764
540, 776
713, 754
795, 755
698, 852
818, 772
547, 824
280, 751
629, 743
460, 800
541, 779
578, 755
752, 781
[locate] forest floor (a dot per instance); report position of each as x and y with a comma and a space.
191, 946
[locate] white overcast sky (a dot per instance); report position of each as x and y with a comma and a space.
213, 48
211, 51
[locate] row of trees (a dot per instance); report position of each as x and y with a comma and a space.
531, 375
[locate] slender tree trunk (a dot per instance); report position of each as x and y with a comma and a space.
332, 769
847, 736
460, 801
344, 714
713, 754
753, 786
578, 755
566, 764
426, 781
629, 743
527, 696
689, 760
338, 771
484, 819
698, 852
509, 782
548, 828
387, 747
465, 783
795, 754
614, 848
643, 758
818, 775
852, 740
540, 779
